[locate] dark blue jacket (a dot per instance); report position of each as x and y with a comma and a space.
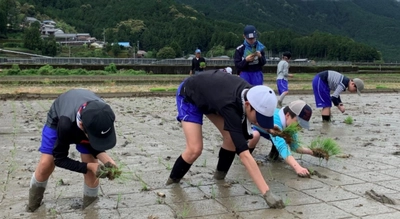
242, 65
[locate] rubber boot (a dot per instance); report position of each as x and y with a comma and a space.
35, 198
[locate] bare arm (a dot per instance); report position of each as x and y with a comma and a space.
302, 150
296, 166
254, 171
105, 158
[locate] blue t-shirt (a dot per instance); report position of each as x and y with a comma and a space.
279, 142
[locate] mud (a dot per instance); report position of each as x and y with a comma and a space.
150, 140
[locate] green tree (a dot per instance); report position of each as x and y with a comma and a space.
116, 49
178, 50
50, 47
218, 50
166, 53
32, 39
3, 24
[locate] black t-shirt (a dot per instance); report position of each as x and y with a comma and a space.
62, 117
196, 63
216, 92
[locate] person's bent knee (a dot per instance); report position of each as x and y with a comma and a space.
191, 154
254, 141
45, 167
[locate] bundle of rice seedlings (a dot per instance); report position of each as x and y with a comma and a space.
287, 133
112, 172
324, 147
348, 120
202, 64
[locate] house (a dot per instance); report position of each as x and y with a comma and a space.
31, 20
83, 36
47, 29
49, 22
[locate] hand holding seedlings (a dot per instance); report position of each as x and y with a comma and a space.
108, 170
101, 171
113, 171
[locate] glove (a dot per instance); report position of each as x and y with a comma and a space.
273, 201
112, 171
101, 171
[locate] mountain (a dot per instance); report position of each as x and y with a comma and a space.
376, 23
336, 30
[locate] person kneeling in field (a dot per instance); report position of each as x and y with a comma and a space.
232, 105
80, 117
298, 112
329, 80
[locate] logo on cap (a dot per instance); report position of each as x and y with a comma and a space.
105, 132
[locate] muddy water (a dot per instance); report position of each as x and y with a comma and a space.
150, 140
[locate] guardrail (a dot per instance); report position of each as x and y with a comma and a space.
147, 61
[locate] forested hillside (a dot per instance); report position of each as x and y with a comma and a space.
374, 22
348, 30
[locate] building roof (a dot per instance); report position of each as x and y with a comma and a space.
64, 35
124, 44
31, 19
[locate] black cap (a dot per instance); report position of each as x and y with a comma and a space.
98, 120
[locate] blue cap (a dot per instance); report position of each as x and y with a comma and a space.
197, 51
250, 32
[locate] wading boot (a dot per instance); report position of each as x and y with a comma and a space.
88, 200
35, 198
171, 181
219, 175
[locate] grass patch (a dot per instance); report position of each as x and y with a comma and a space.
162, 89
348, 120
380, 86
324, 148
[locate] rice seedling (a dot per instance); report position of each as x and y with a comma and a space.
119, 197
213, 193
348, 120
204, 163
185, 211
323, 148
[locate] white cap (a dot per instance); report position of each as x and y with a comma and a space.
228, 70
303, 112
264, 101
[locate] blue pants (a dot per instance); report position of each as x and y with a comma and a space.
187, 112
321, 93
49, 138
253, 78
282, 85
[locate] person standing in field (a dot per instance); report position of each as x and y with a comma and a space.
327, 81
250, 57
79, 117
232, 105
282, 73
198, 63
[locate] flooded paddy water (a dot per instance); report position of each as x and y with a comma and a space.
150, 140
